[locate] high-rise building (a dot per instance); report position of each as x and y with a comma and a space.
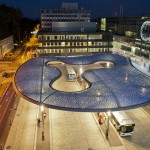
68, 13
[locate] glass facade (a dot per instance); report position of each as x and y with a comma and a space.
75, 43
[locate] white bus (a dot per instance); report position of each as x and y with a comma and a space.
122, 123
71, 73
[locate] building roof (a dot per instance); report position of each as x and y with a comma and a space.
118, 88
48, 31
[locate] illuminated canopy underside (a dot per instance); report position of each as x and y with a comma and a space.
118, 88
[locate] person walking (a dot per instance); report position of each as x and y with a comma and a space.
100, 119
38, 122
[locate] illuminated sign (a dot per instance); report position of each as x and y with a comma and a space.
145, 31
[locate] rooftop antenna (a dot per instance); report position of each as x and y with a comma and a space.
121, 10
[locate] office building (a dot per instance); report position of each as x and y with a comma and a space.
68, 31
68, 13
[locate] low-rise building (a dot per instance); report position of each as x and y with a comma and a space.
6, 43
74, 42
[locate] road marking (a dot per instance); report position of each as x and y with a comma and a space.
50, 129
145, 112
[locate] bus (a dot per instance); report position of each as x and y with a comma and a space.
71, 73
122, 123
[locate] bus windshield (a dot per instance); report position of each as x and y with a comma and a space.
122, 123
71, 73
127, 128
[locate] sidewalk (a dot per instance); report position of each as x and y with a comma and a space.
138, 62
113, 137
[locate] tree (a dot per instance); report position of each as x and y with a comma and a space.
10, 19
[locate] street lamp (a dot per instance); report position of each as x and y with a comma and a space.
107, 130
81, 70
42, 112
42, 108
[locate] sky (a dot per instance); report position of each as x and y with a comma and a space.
99, 8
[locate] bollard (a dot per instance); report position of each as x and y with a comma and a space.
107, 134
43, 135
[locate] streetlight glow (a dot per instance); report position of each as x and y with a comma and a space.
108, 64
109, 114
42, 108
81, 70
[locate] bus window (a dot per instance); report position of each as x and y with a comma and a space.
122, 123
71, 73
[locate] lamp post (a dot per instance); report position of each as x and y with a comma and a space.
42, 112
107, 130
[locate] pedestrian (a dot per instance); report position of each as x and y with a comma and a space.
10, 122
43, 135
38, 122
44, 114
100, 119
106, 134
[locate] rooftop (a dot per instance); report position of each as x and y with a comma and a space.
117, 88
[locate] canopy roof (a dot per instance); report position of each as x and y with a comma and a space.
117, 88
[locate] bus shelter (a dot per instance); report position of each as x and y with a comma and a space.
119, 87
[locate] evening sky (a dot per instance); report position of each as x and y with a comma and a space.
99, 8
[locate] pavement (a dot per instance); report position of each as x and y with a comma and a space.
60, 130
112, 133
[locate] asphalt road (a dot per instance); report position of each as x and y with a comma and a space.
7, 112
72, 130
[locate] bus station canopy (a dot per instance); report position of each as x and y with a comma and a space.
118, 88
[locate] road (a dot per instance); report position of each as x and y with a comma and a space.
9, 103
140, 140
7, 112
72, 130
62, 130
5, 101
